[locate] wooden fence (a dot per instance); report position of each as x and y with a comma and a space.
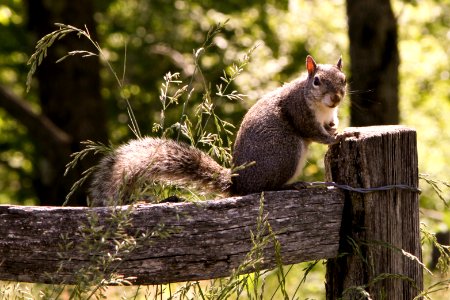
370, 239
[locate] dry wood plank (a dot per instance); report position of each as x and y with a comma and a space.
380, 223
208, 239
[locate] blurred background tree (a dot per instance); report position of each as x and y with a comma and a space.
395, 52
68, 93
372, 29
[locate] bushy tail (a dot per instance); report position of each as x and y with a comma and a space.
149, 160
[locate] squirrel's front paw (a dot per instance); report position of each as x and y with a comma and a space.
343, 135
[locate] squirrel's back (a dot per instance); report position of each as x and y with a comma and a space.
149, 160
267, 137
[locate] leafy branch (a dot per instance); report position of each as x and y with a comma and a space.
231, 73
167, 100
437, 186
196, 130
90, 147
444, 250
48, 40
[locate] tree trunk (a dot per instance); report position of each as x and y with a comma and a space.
374, 62
69, 94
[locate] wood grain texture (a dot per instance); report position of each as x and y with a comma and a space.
380, 223
209, 239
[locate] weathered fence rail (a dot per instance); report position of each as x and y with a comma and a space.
207, 239
210, 239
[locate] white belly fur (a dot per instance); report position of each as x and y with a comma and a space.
301, 163
325, 115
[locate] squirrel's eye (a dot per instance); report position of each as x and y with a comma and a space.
316, 81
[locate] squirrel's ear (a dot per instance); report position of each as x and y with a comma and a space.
339, 64
310, 65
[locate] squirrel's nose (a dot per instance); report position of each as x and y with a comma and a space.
336, 98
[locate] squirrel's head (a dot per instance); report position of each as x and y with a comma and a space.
326, 83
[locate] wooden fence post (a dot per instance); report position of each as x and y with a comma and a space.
377, 227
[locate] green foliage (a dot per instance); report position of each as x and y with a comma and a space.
424, 87
16, 151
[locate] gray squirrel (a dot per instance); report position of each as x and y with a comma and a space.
275, 134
